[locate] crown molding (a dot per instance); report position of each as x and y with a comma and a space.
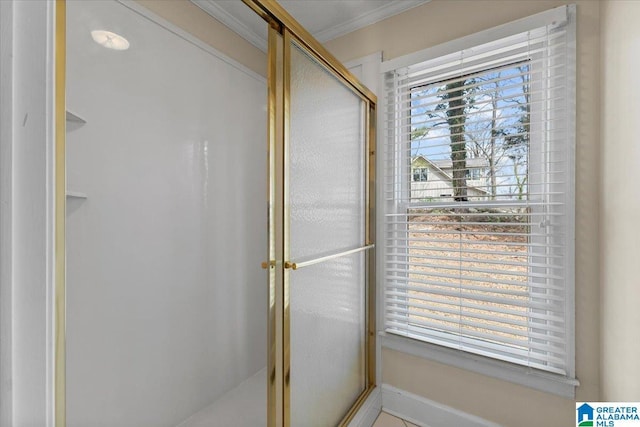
390, 9
213, 9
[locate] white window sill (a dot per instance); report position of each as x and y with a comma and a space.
528, 377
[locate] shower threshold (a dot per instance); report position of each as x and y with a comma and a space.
243, 406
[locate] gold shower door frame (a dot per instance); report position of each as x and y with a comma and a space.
283, 29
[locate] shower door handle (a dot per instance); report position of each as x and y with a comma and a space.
298, 265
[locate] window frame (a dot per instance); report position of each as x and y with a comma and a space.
548, 382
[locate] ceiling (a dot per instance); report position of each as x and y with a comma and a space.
325, 19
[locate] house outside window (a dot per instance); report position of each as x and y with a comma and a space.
481, 259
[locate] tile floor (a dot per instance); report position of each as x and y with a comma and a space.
388, 420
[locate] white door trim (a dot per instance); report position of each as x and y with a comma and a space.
26, 212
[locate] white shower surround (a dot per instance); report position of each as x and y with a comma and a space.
166, 299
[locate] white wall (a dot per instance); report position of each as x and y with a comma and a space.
620, 208
6, 113
166, 298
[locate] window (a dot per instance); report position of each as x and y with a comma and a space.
420, 174
473, 174
485, 263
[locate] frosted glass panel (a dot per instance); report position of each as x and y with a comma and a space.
326, 162
327, 340
327, 216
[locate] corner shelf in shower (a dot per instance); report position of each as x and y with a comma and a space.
74, 118
76, 195
74, 121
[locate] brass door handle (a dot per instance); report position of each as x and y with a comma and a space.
265, 265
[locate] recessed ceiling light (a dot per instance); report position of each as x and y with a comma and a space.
110, 40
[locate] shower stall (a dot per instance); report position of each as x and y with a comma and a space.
217, 234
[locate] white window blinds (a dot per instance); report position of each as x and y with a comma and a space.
479, 256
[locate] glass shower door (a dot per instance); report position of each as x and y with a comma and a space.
325, 241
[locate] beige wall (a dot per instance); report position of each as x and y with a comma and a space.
440, 21
620, 207
198, 23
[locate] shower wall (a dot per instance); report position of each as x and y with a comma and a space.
166, 223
